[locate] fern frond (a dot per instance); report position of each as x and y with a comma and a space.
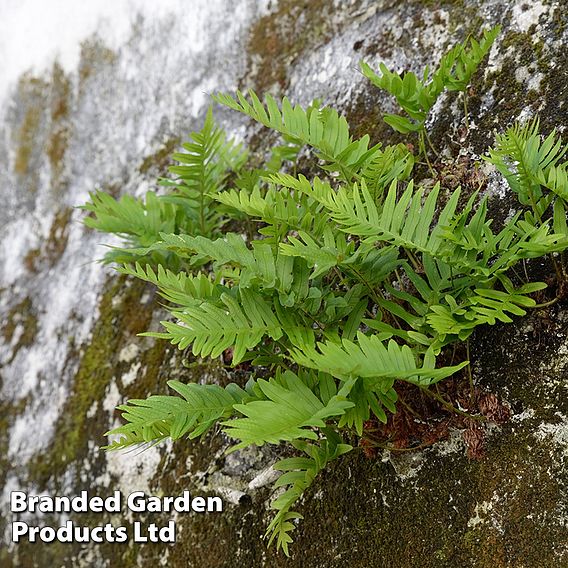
484, 255
139, 221
210, 328
289, 413
281, 153
447, 310
367, 399
334, 251
394, 162
208, 160
529, 163
371, 359
404, 222
177, 287
187, 208
417, 96
299, 474
321, 128
457, 67
159, 417
282, 211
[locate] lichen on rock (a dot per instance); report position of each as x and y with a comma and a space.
70, 350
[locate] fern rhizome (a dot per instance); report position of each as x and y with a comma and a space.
341, 289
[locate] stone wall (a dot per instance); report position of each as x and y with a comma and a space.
70, 352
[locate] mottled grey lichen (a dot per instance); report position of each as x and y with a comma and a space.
71, 351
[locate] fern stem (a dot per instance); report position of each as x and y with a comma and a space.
372, 291
436, 153
559, 274
469, 374
422, 146
399, 278
449, 406
547, 304
413, 260
390, 448
409, 408
312, 318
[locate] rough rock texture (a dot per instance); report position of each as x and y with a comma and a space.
69, 350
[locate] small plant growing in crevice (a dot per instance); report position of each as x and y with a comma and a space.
355, 283
417, 96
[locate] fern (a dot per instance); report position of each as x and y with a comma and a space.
321, 128
370, 359
530, 165
417, 96
299, 474
337, 287
289, 413
211, 329
177, 287
208, 160
355, 211
159, 417
138, 221
188, 207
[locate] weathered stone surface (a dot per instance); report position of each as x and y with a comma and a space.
69, 351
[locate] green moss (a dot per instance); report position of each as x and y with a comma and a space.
21, 317
56, 148
520, 50
365, 116
360, 513
279, 38
9, 411
121, 317
161, 158
31, 259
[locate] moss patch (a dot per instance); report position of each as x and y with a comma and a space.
42, 128
58, 139
21, 320
26, 140
29, 131
121, 317
95, 57
161, 158
279, 38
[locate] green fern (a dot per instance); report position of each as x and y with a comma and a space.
210, 158
321, 128
138, 221
298, 474
417, 96
211, 329
369, 358
336, 287
206, 164
159, 417
530, 165
290, 412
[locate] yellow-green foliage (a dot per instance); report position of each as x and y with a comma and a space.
353, 280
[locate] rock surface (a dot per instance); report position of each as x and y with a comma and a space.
70, 353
